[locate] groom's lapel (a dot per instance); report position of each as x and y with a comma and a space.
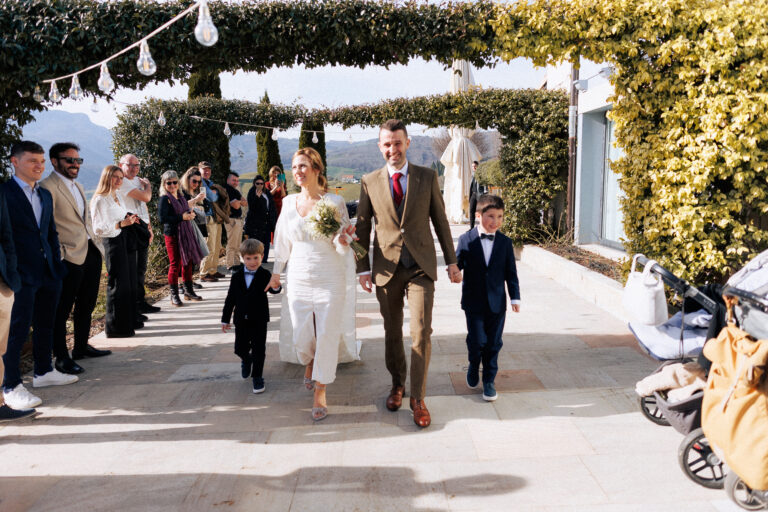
385, 196
411, 192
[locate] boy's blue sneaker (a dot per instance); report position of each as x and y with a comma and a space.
245, 368
258, 385
473, 377
489, 392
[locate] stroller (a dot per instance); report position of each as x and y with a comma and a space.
681, 340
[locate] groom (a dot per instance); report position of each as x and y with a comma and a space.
403, 198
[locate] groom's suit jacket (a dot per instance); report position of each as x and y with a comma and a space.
73, 229
423, 202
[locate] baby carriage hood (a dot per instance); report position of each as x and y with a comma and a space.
753, 277
735, 406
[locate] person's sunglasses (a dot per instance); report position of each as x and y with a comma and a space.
259, 183
172, 182
71, 160
197, 181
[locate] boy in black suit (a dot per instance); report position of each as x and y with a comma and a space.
247, 296
488, 260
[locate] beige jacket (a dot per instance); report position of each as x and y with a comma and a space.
423, 202
73, 230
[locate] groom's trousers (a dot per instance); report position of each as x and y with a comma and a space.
420, 290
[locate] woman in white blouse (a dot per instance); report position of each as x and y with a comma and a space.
110, 220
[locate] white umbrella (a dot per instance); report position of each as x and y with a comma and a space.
460, 153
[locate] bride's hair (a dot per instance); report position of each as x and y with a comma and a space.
317, 163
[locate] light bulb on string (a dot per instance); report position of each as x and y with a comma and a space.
315, 140
161, 119
105, 83
205, 31
54, 95
351, 140
94, 105
146, 63
75, 91
37, 95
274, 133
227, 131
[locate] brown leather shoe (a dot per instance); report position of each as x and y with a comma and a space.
395, 398
219, 275
421, 415
210, 278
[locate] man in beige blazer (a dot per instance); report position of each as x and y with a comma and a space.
81, 256
403, 198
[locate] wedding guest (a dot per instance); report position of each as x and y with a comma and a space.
10, 282
191, 184
215, 217
112, 222
261, 217
247, 297
80, 287
276, 188
138, 192
474, 193
41, 271
235, 225
316, 277
482, 291
181, 242
404, 199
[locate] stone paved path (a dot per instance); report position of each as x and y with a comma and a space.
166, 423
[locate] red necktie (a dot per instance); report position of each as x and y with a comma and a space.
397, 188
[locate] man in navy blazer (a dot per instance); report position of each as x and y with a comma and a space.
487, 258
41, 271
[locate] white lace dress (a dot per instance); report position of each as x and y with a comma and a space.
318, 309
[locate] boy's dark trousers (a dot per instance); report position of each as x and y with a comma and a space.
251, 343
484, 341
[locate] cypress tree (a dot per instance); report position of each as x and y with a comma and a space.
203, 84
267, 149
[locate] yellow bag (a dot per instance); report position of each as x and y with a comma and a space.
734, 412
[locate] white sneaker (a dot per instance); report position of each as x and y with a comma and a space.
19, 398
53, 378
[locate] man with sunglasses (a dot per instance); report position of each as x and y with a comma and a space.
138, 192
81, 256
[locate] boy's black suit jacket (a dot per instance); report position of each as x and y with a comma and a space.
482, 287
248, 303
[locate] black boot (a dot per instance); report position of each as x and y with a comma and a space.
189, 292
175, 300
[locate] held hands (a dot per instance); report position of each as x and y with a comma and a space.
454, 274
366, 283
225, 327
274, 283
347, 235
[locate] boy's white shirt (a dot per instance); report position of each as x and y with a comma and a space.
488, 249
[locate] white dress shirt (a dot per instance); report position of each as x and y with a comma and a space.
106, 213
76, 195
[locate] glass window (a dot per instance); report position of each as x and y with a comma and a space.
612, 228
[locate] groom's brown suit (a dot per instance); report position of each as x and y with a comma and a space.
395, 228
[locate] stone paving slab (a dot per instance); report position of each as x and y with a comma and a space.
166, 423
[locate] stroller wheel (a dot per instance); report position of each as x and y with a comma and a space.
741, 494
651, 411
699, 462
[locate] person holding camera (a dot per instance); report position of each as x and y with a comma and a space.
112, 222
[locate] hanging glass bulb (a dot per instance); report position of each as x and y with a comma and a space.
75, 91
146, 63
205, 31
37, 95
351, 140
315, 140
94, 106
54, 95
274, 134
161, 119
227, 131
105, 83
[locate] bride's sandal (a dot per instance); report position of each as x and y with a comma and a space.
319, 413
309, 384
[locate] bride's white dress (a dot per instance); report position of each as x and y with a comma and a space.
318, 306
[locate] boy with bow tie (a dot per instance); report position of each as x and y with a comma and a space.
488, 260
247, 296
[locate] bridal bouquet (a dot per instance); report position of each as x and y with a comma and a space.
324, 222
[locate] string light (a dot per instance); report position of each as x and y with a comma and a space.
146, 63
161, 119
227, 131
274, 134
94, 105
75, 91
205, 31
105, 83
54, 95
315, 140
37, 95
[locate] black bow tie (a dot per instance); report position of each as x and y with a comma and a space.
484, 236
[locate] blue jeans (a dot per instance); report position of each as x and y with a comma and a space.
33, 306
484, 341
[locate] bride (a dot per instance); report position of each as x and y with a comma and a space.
317, 275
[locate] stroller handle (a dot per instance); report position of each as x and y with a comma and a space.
680, 286
746, 296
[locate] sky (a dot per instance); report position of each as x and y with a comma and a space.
326, 86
